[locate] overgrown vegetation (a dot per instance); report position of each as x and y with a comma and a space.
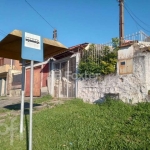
102, 62
76, 125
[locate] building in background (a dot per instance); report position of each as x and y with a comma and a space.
8, 80
50, 76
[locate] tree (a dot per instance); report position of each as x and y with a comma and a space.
103, 62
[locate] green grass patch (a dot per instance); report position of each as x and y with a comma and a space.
3, 98
44, 98
3, 110
76, 125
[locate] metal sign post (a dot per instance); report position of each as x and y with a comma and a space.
31, 104
22, 98
32, 49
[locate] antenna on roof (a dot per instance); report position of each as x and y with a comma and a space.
55, 35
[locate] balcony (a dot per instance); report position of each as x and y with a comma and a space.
4, 68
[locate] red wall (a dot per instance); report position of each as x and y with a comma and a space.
36, 83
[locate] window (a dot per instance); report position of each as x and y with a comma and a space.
122, 63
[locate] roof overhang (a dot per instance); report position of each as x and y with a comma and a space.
10, 46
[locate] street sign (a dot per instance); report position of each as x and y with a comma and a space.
32, 47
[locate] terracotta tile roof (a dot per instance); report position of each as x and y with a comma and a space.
71, 50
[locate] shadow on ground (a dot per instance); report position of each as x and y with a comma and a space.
18, 106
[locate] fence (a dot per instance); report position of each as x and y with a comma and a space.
138, 36
98, 50
96, 53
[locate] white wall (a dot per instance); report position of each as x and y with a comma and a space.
131, 87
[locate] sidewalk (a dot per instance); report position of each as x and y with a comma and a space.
5, 101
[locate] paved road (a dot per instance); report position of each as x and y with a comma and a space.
5, 101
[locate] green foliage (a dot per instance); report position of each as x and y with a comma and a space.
102, 63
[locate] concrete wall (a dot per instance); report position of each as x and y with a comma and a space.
130, 87
4, 69
11, 92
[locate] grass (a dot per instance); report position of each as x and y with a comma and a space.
3, 97
44, 98
4, 110
76, 125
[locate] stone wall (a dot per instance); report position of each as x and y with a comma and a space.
130, 87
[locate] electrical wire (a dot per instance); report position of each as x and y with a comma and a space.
3, 32
135, 20
136, 16
39, 14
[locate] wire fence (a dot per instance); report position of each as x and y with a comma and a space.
96, 53
99, 50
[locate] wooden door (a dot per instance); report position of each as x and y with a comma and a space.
36, 83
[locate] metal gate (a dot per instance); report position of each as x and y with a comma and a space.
64, 83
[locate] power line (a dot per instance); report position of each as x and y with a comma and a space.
3, 32
135, 23
39, 14
135, 20
137, 17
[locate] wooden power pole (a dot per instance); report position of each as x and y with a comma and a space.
121, 21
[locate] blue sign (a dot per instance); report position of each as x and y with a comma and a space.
32, 47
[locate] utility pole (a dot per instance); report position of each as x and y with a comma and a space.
121, 21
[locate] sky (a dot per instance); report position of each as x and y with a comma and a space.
76, 21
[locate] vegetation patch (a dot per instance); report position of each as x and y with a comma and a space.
76, 125
101, 62
44, 98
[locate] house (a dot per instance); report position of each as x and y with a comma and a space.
58, 75
50, 77
131, 81
63, 67
9, 78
